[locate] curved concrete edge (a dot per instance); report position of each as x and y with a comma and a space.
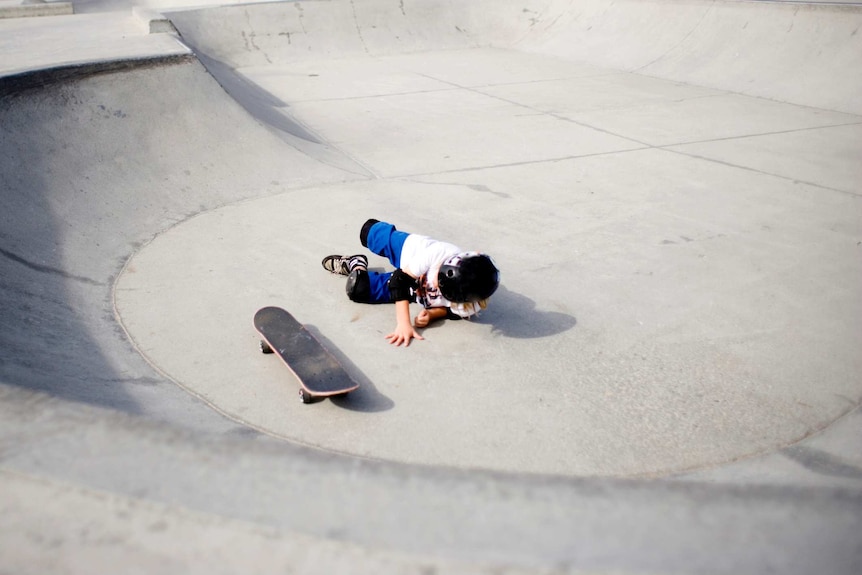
828, 457
19, 82
165, 480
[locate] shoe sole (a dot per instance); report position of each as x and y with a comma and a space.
331, 267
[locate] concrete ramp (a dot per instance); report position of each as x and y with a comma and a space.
668, 379
797, 52
93, 167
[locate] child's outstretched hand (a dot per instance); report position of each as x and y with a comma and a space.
403, 334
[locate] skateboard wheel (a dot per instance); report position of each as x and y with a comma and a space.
264, 347
305, 396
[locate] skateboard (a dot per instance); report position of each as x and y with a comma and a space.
318, 372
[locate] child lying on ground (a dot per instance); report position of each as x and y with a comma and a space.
447, 282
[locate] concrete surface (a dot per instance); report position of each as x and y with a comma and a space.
33, 8
670, 189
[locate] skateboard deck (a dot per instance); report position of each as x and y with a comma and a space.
318, 372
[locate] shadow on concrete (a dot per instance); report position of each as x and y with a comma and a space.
262, 105
516, 316
46, 342
366, 399
823, 462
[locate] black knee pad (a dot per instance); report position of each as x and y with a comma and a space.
363, 233
359, 286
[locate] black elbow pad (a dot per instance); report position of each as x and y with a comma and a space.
402, 286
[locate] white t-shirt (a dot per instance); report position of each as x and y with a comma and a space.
423, 256
420, 254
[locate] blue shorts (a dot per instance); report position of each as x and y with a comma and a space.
384, 240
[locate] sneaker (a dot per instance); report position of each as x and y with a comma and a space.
343, 265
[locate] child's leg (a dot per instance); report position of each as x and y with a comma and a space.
384, 240
364, 286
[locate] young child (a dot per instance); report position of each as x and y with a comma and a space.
446, 281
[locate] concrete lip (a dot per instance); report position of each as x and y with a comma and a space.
44, 43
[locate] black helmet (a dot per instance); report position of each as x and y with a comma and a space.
468, 276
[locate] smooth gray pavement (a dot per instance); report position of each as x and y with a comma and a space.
667, 381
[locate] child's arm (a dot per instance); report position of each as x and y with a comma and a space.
426, 316
404, 332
